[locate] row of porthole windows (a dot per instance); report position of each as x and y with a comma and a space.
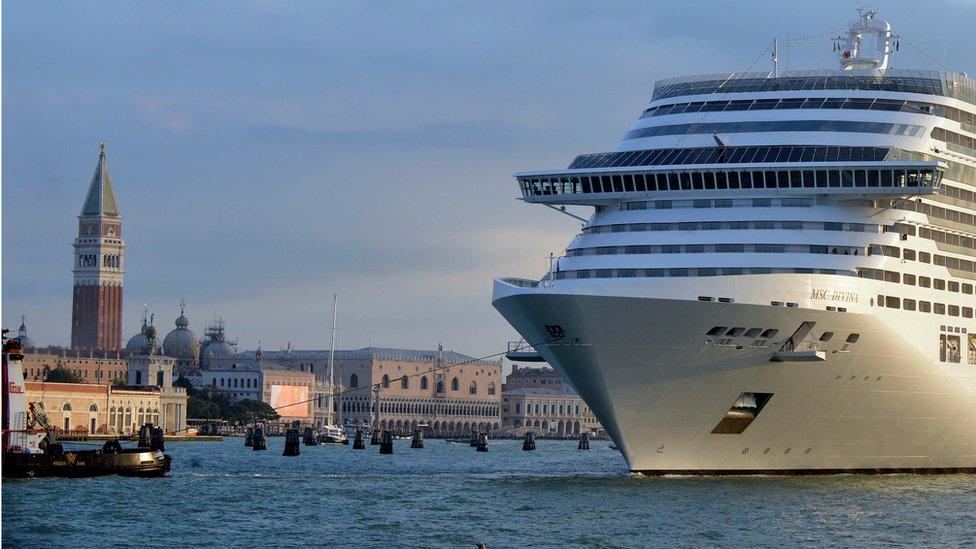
907, 304
937, 212
723, 180
951, 239
917, 280
705, 203
699, 271
767, 333
734, 225
716, 248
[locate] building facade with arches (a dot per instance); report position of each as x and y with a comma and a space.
104, 409
447, 392
537, 399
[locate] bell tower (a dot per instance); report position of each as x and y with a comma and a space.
96, 310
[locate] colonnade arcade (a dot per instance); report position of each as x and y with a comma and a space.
442, 416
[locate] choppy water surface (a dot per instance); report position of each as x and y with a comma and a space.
223, 494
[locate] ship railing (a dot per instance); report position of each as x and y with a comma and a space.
520, 346
521, 282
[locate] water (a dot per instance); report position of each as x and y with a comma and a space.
448, 495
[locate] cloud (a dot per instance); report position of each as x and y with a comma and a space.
161, 113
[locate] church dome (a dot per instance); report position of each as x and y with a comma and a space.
137, 343
182, 343
213, 349
26, 343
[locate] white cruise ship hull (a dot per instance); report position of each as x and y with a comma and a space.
660, 385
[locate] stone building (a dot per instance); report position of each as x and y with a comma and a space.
449, 392
292, 393
152, 371
96, 308
525, 377
104, 409
538, 399
100, 367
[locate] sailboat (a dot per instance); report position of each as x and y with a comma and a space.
330, 433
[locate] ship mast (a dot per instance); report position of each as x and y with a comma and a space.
330, 376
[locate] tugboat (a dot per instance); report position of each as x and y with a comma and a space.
31, 449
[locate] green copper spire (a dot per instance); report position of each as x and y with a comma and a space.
101, 195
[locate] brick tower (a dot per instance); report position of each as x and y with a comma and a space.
96, 310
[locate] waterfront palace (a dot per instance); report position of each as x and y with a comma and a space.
449, 392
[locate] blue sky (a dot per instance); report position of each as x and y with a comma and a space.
268, 154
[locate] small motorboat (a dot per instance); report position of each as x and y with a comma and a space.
463, 439
330, 434
31, 448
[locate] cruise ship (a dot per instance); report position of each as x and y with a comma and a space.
778, 273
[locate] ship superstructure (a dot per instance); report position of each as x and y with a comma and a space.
779, 272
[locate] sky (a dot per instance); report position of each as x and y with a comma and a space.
269, 154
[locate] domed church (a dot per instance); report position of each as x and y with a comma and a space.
182, 344
138, 342
215, 344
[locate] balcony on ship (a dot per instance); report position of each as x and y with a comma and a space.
870, 180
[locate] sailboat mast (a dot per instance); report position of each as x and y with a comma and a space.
331, 373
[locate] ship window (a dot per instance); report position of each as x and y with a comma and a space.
939, 284
924, 306
825, 337
953, 286
628, 182
735, 332
617, 184
753, 332
925, 282
908, 304
967, 288
770, 332
939, 308
967, 312
953, 310
908, 279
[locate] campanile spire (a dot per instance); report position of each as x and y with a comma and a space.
96, 312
